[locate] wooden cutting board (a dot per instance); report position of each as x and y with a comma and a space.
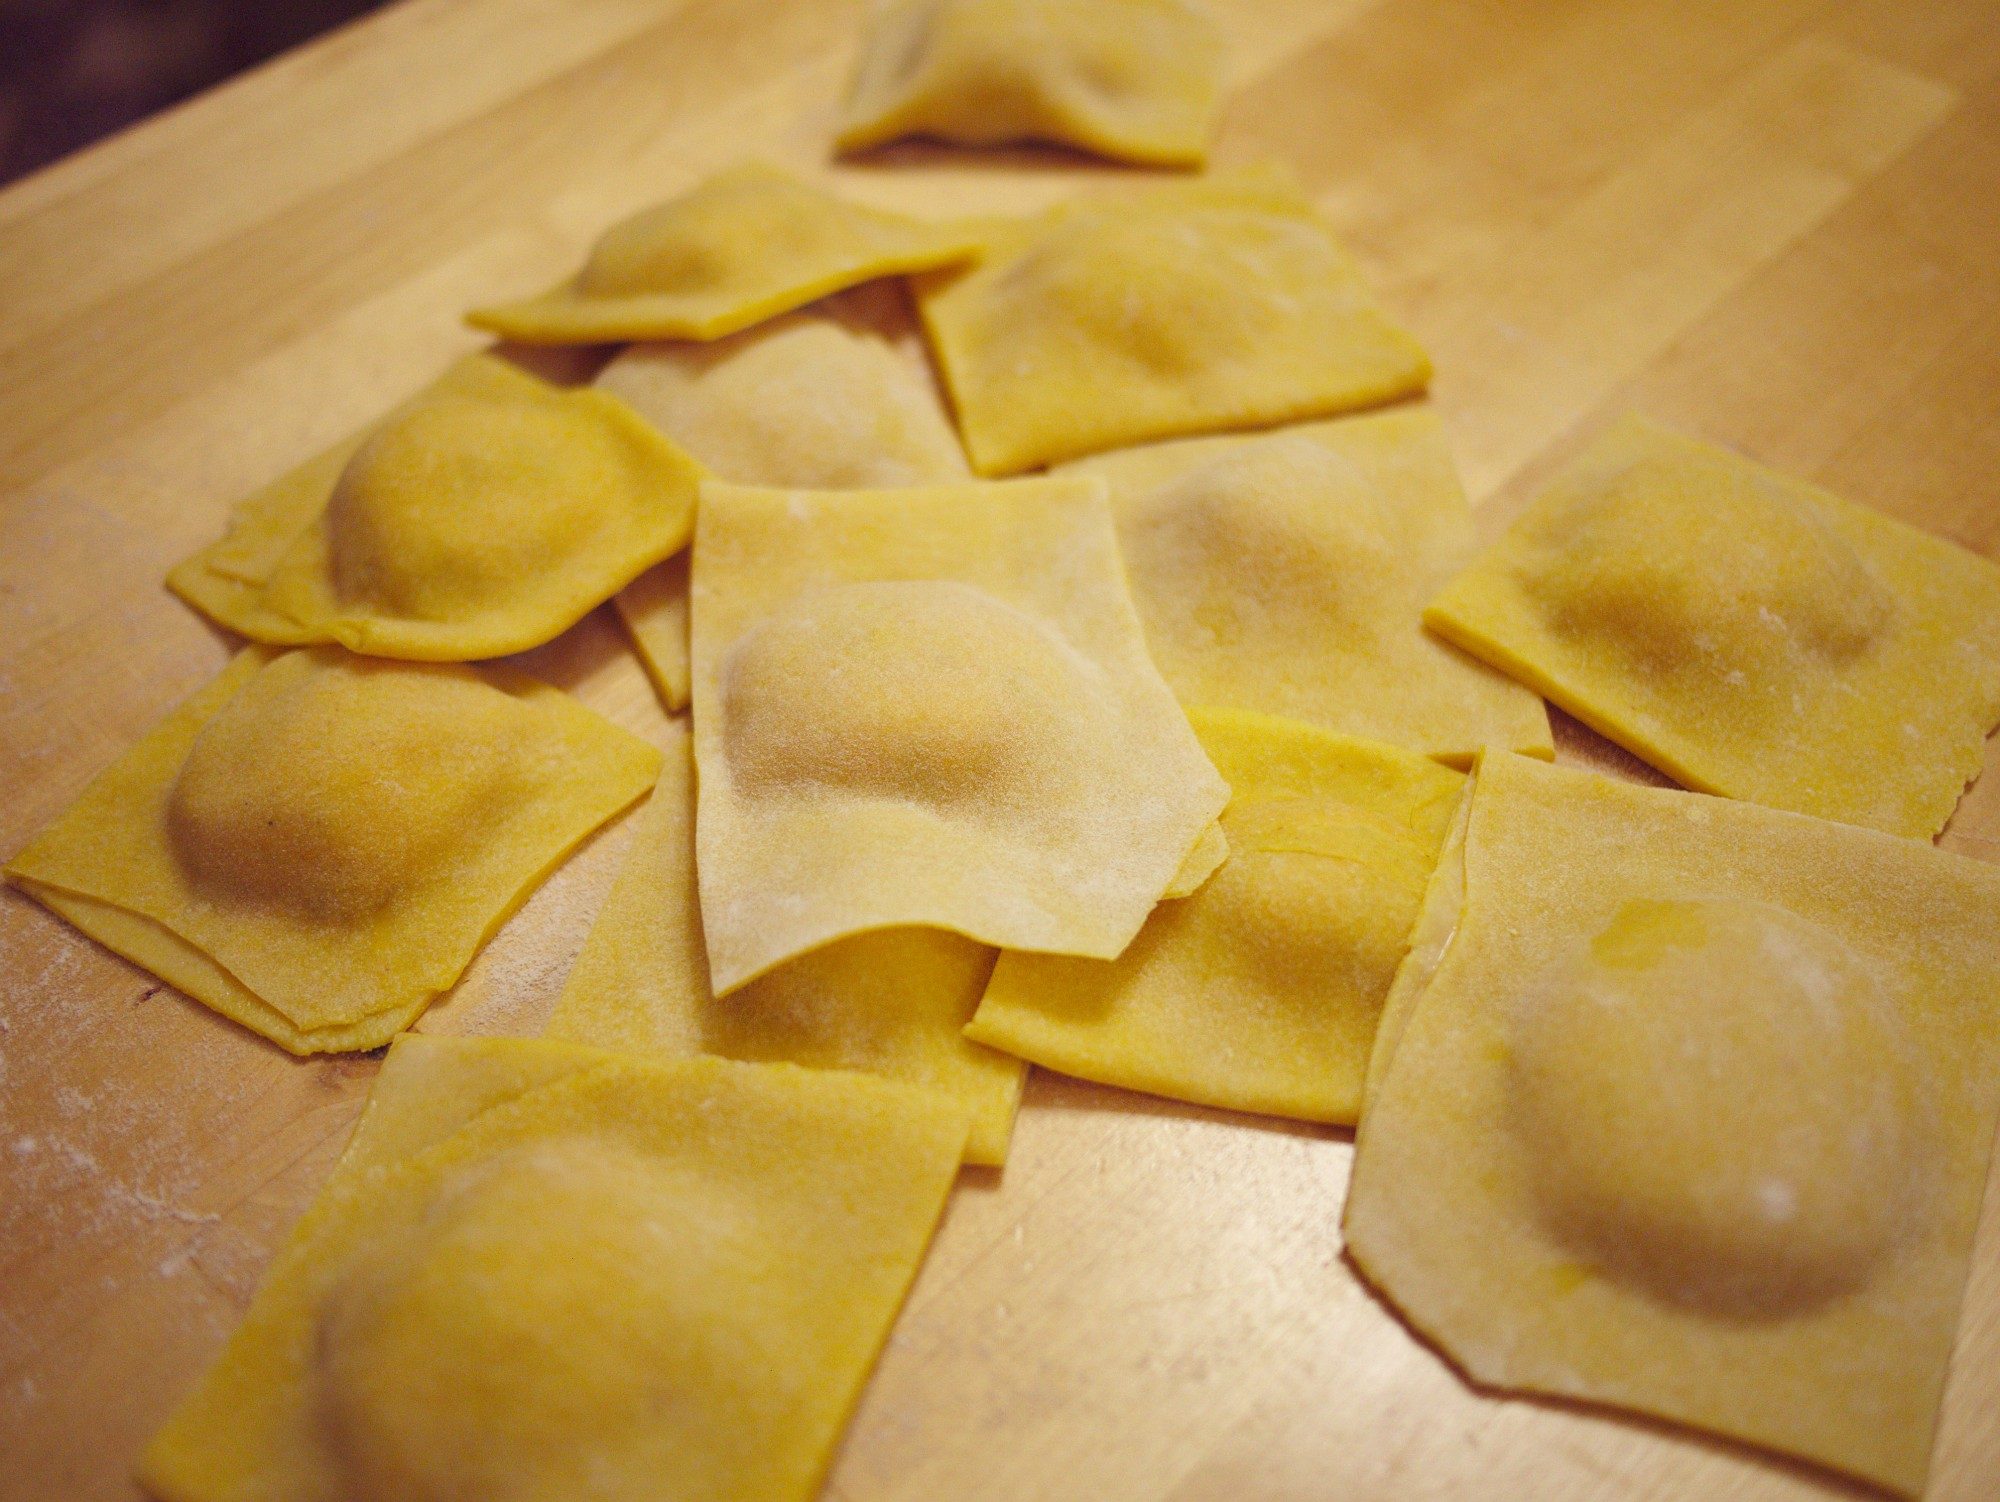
1773, 222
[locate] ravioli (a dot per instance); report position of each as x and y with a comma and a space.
316, 844
1287, 573
929, 707
893, 1003
1126, 316
485, 517
1136, 80
550, 1272
1684, 1106
1261, 991
807, 400
742, 246
1746, 633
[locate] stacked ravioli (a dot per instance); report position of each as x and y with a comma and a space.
1080, 671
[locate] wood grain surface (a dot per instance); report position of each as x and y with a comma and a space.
1773, 222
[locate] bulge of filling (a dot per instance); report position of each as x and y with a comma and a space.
1717, 1106
558, 1324
922, 689
331, 785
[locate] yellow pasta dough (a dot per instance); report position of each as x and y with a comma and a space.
1287, 573
1747, 633
929, 707
1126, 316
486, 516
807, 400
227, 581
893, 1003
317, 844
1684, 1105
1261, 991
1138, 80
1200, 863
544, 1272
654, 608
742, 246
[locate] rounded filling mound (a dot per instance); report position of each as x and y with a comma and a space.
703, 241
806, 403
926, 690
1698, 565
332, 785
1138, 64
1284, 526
994, 70
1174, 295
454, 506
556, 1325
1716, 1106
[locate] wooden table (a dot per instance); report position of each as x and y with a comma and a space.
1775, 222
